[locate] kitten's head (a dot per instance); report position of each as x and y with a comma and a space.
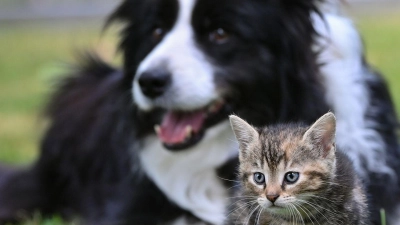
283, 166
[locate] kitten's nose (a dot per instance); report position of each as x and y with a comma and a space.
272, 198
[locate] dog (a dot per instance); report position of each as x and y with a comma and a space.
151, 144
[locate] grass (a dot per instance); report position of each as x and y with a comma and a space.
382, 38
31, 55
383, 217
37, 219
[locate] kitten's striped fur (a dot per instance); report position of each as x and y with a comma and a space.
325, 190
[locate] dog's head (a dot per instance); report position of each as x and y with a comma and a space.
200, 60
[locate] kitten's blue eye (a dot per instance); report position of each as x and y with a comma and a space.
291, 177
259, 178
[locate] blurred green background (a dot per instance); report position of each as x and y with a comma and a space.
32, 56
35, 53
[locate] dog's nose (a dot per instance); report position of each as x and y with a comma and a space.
272, 198
154, 83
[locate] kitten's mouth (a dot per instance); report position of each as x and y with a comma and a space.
278, 210
182, 129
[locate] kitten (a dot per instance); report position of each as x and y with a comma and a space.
291, 174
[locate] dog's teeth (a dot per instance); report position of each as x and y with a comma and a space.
188, 131
157, 128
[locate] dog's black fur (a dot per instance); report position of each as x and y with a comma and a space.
85, 165
88, 164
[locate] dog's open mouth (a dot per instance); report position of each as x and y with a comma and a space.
182, 129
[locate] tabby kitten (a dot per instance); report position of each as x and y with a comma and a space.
291, 174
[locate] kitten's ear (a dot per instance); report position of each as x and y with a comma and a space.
244, 132
322, 134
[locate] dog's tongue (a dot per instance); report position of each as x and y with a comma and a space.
177, 127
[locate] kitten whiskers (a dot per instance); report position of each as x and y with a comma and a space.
251, 213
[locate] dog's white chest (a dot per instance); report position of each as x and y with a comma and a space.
189, 178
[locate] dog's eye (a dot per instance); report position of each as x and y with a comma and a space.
219, 36
158, 33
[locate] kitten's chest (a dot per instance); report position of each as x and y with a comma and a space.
311, 219
276, 221
189, 177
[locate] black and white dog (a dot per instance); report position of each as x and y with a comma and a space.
151, 144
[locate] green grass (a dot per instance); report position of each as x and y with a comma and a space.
32, 56
37, 219
382, 37
383, 217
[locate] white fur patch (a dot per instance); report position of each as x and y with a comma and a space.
184, 221
344, 75
330, 6
193, 84
394, 219
189, 177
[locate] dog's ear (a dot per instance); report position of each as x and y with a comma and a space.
301, 4
121, 13
130, 11
301, 8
